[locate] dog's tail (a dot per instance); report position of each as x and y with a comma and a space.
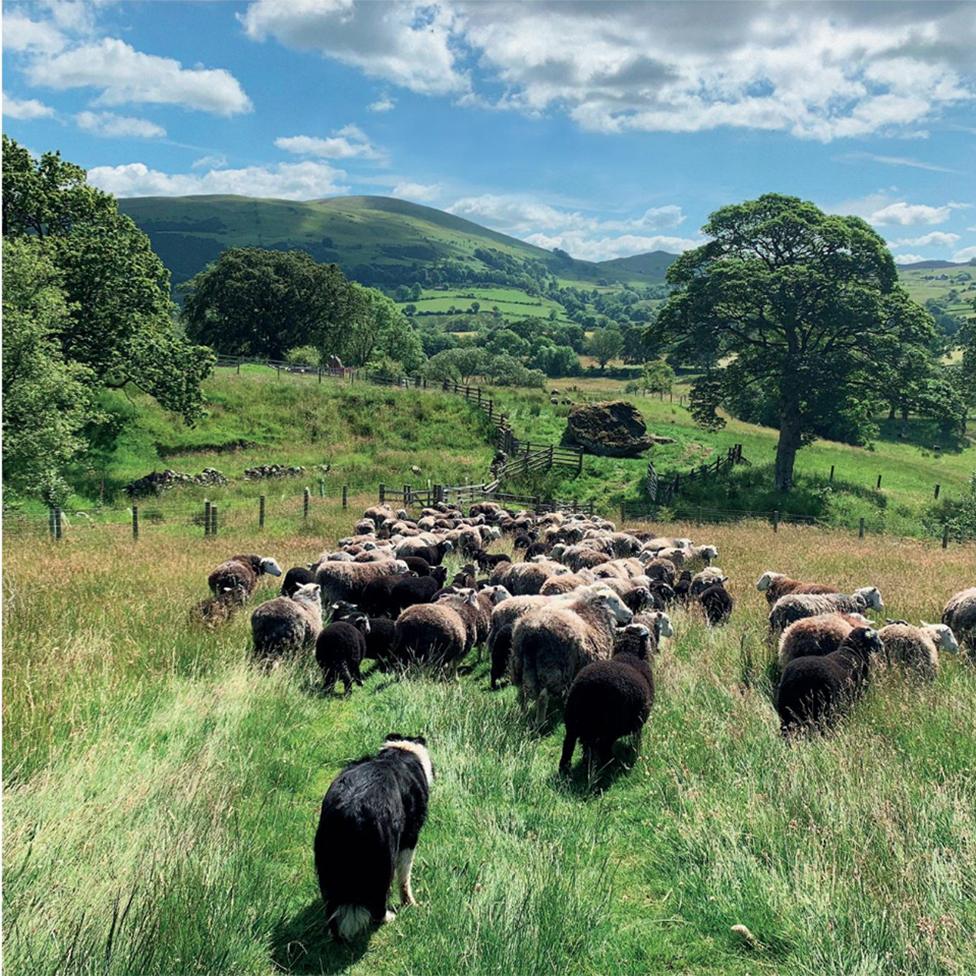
347, 921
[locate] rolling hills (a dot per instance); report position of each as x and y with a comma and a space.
376, 240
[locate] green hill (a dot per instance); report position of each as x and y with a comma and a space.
376, 240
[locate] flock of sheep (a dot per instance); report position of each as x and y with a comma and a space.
573, 620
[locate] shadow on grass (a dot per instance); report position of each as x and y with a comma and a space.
302, 944
922, 433
585, 782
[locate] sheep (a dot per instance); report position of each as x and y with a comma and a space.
527, 579
698, 556
565, 583
796, 606
420, 567
682, 587
662, 595
295, 577
346, 581
661, 569
624, 544
433, 552
776, 585
635, 595
214, 610
287, 624
960, 616
610, 699
239, 575
550, 644
658, 623
379, 637
816, 636
701, 581
489, 560
717, 603
814, 691
657, 543
917, 648
433, 632
339, 650
412, 590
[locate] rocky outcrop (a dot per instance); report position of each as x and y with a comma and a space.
614, 429
156, 482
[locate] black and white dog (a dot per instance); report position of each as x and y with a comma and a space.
370, 822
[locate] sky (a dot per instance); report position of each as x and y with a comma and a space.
606, 129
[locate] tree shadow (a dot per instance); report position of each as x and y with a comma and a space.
922, 433
303, 944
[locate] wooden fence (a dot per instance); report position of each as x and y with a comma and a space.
661, 491
462, 495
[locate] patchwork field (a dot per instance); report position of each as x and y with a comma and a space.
161, 795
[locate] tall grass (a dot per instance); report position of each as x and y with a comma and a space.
161, 795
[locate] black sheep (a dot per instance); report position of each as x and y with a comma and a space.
501, 652
610, 699
489, 560
340, 649
717, 604
411, 590
379, 638
377, 596
536, 549
523, 540
682, 587
813, 691
637, 598
295, 577
662, 595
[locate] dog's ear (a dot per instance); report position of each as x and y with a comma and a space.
420, 740
395, 737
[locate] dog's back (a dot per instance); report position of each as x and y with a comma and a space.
370, 822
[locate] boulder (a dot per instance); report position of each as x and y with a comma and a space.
614, 429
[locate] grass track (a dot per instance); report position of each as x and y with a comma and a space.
161, 796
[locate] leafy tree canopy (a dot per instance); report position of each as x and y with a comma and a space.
798, 308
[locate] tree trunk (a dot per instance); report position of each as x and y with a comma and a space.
786, 448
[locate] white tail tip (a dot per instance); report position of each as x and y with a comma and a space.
350, 920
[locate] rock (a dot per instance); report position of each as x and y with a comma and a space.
156, 482
614, 429
273, 471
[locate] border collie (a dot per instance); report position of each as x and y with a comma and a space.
370, 822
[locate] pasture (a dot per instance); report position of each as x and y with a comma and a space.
161, 794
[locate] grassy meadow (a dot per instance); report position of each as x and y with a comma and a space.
161, 795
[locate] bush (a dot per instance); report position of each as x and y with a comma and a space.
303, 356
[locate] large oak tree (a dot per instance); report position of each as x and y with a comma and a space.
800, 307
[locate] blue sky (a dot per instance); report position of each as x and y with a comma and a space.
606, 129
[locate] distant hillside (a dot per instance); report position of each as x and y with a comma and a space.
941, 265
376, 240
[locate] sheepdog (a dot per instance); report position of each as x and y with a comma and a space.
371, 819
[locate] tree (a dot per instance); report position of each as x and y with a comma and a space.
120, 316
377, 328
794, 304
657, 377
303, 356
46, 400
606, 344
460, 365
255, 302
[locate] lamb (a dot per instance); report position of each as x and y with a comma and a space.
796, 606
776, 585
814, 691
433, 632
550, 644
339, 650
610, 699
295, 577
682, 587
816, 636
239, 575
420, 567
347, 581
717, 603
433, 552
286, 624
917, 648
379, 637
960, 616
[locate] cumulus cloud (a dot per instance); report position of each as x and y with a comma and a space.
906, 214
125, 75
211, 161
118, 126
582, 235
382, 104
423, 192
20, 33
966, 254
348, 142
908, 258
408, 44
25, 108
286, 181
819, 71
937, 237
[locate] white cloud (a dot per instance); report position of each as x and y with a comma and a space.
819, 71
25, 108
861, 157
423, 192
908, 258
126, 75
937, 237
382, 104
348, 142
118, 126
907, 214
404, 43
20, 33
583, 236
966, 254
286, 181
212, 161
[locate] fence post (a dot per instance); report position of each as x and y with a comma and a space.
945, 536
206, 517
937, 489
406, 495
320, 374
213, 520
261, 507
579, 462
278, 368
775, 520
860, 529
135, 521
58, 526
50, 523
238, 365
321, 487
879, 481
382, 493
345, 496
306, 498
550, 455
831, 478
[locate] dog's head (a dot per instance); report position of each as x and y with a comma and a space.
417, 745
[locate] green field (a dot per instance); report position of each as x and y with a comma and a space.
161, 795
